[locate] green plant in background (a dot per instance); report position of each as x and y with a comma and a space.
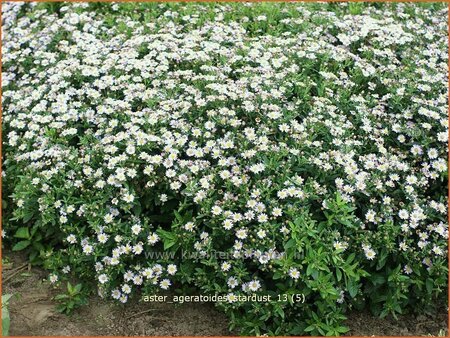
72, 299
5, 314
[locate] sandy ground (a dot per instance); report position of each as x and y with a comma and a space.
33, 312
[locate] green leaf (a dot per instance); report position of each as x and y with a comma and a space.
178, 216
350, 258
22, 232
5, 315
338, 274
429, 285
137, 209
21, 245
5, 299
289, 244
5, 323
280, 311
169, 243
69, 288
28, 216
342, 329
60, 297
352, 288
78, 288
310, 328
276, 276
382, 259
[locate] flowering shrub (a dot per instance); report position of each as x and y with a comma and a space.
292, 150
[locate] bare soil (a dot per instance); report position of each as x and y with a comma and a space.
32, 312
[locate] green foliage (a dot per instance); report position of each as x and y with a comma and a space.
72, 299
5, 314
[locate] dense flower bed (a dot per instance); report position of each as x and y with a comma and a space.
269, 149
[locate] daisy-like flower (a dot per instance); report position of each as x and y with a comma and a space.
138, 249
128, 198
108, 218
261, 233
103, 278
137, 280
136, 229
254, 285
227, 224
403, 214
294, 273
102, 238
53, 278
165, 284
171, 269
339, 245
71, 239
153, 238
225, 266
88, 249
115, 294
370, 216
189, 226
370, 254
241, 233
126, 289
262, 218
216, 210
277, 212
231, 298
232, 282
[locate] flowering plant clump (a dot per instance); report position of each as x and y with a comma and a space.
272, 149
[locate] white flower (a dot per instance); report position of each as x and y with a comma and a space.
338, 245
171, 269
216, 210
231, 298
53, 278
189, 226
232, 282
136, 229
370, 254
294, 273
71, 239
88, 249
108, 218
257, 168
370, 216
126, 289
261, 233
103, 278
164, 284
128, 198
153, 238
277, 212
403, 214
254, 285
115, 294
227, 224
137, 280
225, 266
262, 218
241, 233
102, 238
138, 249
